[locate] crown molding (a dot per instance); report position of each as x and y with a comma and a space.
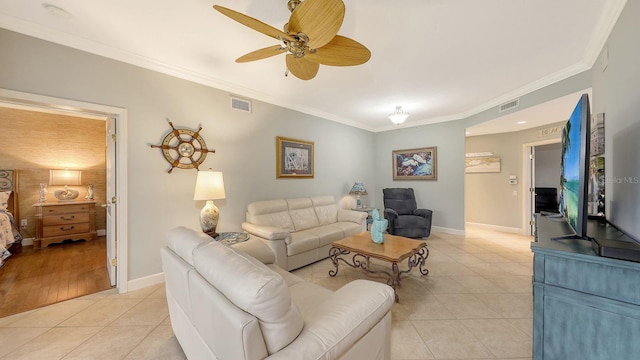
613, 9
607, 22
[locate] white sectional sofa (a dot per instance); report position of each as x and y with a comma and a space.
300, 231
225, 303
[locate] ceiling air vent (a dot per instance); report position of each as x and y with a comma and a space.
240, 104
509, 105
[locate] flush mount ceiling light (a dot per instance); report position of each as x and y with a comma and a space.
398, 116
56, 11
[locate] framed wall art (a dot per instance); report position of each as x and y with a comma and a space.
415, 164
482, 164
294, 158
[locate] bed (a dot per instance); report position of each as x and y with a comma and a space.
10, 237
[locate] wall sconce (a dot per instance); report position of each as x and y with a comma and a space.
358, 190
65, 177
209, 187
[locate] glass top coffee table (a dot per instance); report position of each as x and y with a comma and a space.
394, 250
231, 238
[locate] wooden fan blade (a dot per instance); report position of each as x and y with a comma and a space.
302, 68
255, 24
320, 20
261, 54
341, 51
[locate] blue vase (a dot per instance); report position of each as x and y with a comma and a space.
378, 227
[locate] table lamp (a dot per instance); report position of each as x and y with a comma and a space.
209, 187
358, 190
65, 177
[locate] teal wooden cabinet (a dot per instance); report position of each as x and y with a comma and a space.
586, 307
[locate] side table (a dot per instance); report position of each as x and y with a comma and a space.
230, 238
369, 212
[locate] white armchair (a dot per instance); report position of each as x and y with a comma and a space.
226, 304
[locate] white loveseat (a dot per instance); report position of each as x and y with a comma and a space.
227, 304
300, 231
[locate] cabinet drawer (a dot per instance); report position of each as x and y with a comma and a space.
76, 208
595, 278
65, 219
65, 229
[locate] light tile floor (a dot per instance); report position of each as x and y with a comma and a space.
476, 303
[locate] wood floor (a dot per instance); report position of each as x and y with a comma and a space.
35, 278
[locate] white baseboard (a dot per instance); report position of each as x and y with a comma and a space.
448, 230
497, 228
143, 282
101, 232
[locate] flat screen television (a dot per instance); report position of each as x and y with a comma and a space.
574, 169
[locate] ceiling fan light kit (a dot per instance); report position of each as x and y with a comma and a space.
310, 38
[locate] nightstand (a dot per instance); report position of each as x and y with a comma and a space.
56, 222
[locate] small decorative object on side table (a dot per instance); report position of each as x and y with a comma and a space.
43, 193
230, 238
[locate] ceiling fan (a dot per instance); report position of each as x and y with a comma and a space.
309, 38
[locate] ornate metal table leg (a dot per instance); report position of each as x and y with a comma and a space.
417, 259
422, 256
395, 279
333, 255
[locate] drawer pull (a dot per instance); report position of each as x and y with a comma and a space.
63, 229
69, 218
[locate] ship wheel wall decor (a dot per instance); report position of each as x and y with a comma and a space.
183, 148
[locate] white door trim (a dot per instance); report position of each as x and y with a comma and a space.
67, 106
526, 184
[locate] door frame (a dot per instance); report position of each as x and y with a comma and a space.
30, 101
527, 183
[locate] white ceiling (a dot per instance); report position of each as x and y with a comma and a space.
439, 59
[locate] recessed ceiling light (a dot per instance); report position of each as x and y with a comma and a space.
521, 122
56, 11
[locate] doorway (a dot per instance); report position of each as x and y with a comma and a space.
542, 171
116, 172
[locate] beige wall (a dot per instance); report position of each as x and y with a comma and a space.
489, 198
34, 142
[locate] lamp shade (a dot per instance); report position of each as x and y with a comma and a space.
358, 189
209, 185
65, 177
